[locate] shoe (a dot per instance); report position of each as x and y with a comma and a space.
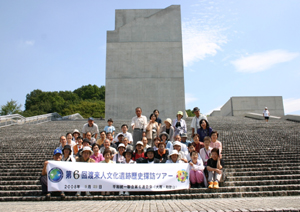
121, 193
48, 196
126, 193
197, 185
62, 195
216, 184
88, 193
211, 185
78, 193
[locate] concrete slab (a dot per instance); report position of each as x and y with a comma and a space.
144, 64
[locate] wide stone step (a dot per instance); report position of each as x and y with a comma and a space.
278, 168
7, 178
156, 196
20, 182
278, 172
262, 177
266, 165
20, 187
261, 182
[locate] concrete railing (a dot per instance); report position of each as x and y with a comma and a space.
259, 116
72, 117
290, 117
15, 119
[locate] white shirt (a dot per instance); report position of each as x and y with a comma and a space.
121, 158
170, 161
266, 113
93, 129
139, 122
130, 162
203, 154
181, 129
128, 135
195, 122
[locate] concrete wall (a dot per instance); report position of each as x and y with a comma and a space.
144, 64
239, 106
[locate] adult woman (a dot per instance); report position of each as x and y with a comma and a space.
69, 138
179, 124
164, 138
119, 158
204, 129
67, 154
196, 171
97, 156
214, 141
174, 157
198, 145
177, 146
139, 151
205, 152
214, 167
78, 146
152, 129
149, 157
75, 134
168, 128
162, 153
107, 156
128, 154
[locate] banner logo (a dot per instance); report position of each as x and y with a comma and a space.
55, 175
182, 175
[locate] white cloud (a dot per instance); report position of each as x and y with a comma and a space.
189, 98
262, 61
29, 42
203, 35
291, 105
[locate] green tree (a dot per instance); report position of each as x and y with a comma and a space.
87, 108
190, 113
91, 92
11, 107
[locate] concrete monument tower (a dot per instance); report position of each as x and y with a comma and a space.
144, 64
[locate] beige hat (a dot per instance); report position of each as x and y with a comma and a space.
169, 121
139, 142
86, 148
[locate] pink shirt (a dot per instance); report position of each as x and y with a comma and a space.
216, 144
205, 154
97, 158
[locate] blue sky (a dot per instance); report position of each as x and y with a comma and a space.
230, 48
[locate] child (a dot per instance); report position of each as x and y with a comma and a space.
110, 128
139, 151
214, 168
196, 171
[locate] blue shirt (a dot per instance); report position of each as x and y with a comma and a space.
109, 129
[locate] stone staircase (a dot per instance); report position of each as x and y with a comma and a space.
260, 159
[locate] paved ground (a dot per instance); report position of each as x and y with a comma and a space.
233, 204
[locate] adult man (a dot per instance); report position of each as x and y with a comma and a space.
138, 124
184, 139
127, 146
90, 127
100, 141
195, 125
62, 141
266, 114
107, 146
57, 156
126, 134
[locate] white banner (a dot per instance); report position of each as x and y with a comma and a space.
68, 176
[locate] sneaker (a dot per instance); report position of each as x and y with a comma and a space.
216, 184
211, 185
88, 193
62, 195
126, 193
121, 193
48, 195
78, 193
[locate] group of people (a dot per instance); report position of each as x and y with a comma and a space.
151, 142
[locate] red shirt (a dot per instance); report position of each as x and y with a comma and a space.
137, 156
199, 146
